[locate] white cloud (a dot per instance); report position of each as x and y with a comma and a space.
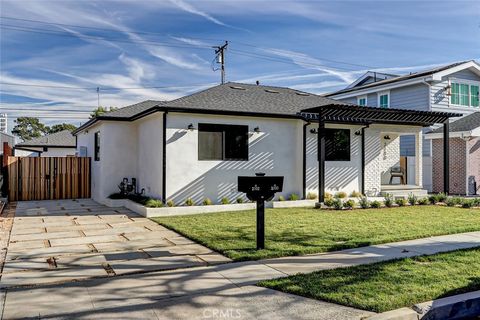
191, 9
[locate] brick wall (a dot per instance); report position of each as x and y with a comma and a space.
474, 165
457, 166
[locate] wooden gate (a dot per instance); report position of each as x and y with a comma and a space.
48, 178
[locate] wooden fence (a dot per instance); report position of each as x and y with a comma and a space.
48, 178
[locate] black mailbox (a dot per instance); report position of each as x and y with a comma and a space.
260, 188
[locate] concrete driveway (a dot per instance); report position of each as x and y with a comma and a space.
68, 240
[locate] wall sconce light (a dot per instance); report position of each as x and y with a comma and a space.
256, 129
358, 133
191, 127
387, 137
448, 90
314, 131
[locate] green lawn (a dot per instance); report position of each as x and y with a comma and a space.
389, 285
302, 231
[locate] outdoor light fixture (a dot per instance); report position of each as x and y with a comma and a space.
191, 127
358, 133
256, 129
448, 90
314, 131
387, 137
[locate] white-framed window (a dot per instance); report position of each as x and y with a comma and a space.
384, 99
464, 93
362, 101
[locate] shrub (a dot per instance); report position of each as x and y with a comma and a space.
364, 203
453, 201
170, 203
340, 195
239, 200
225, 200
207, 202
355, 194
328, 202
423, 201
468, 203
442, 197
388, 200
476, 202
349, 204
433, 199
189, 202
337, 204
412, 199
375, 204
293, 197
328, 195
401, 202
281, 198
116, 195
154, 203
312, 196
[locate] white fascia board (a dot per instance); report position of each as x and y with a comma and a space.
459, 134
471, 64
384, 87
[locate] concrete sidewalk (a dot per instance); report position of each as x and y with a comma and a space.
215, 291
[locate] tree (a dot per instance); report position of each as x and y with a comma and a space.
100, 111
61, 127
29, 127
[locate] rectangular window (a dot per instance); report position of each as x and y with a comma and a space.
383, 101
222, 142
464, 94
455, 98
337, 145
362, 101
474, 98
97, 146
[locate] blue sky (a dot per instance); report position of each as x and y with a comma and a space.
315, 46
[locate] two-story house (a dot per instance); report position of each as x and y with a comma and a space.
450, 88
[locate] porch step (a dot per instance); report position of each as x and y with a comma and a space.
400, 191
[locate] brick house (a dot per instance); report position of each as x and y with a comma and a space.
464, 156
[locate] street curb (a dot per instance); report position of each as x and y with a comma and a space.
454, 307
460, 306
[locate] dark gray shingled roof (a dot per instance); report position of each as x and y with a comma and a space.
132, 110
467, 123
251, 98
399, 78
227, 98
59, 139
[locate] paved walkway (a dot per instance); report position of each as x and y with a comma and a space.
69, 240
213, 292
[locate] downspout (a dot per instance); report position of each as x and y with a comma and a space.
164, 158
304, 173
466, 139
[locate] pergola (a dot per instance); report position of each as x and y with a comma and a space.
352, 114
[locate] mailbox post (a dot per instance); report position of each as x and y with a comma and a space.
260, 188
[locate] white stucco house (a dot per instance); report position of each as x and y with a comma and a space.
197, 145
58, 144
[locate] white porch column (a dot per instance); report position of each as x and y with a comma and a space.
419, 158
